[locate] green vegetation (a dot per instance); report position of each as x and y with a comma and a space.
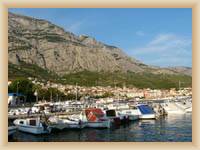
105, 95
27, 88
30, 70
130, 79
87, 78
23, 86
51, 38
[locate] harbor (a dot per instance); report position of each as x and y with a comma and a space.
98, 121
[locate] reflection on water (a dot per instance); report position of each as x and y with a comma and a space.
171, 128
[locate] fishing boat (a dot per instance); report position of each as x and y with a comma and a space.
146, 112
124, 118
63, 122
131, 113
11, 130
32, 125
112, 116
94, 118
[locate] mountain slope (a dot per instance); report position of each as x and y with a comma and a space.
42, 43
88, 78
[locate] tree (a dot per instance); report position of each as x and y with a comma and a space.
107, 94
23, 86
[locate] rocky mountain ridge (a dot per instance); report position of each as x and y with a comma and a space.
39, 42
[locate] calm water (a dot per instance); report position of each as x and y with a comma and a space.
177, 128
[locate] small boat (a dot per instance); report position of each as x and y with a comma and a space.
32, 125
63, 122
112, 116
131, 113
188, 110
124, 118
146, 112
94, 118
173, 108
11, 130
184, 106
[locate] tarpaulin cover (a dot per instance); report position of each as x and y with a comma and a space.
145, 109
93, 114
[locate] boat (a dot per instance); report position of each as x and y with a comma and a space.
173, 108
184, 106
124, 118
32, 125
112, 116
131, 113
188, 110
94, 118
11, 130
146, 112
64, 122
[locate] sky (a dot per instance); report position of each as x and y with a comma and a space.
156, 36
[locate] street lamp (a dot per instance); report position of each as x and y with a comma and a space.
76, 93
36, 94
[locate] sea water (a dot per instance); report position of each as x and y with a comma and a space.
172, 128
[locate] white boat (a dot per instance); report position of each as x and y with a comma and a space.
146, 112
188, 110
94, 118
32, 125
147, 116
131, 113
173, 108
98, 124
63, 122
185, 106
11, 130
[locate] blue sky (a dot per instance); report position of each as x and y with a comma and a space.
161, 37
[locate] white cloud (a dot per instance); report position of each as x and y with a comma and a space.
162, 38
165, 49
140, 33
165, 43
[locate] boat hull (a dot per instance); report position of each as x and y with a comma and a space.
98, 124
173, 108
188, 110
12, 130
175, 112
133, 117
58, 126
32, 130
147, 116
37, 128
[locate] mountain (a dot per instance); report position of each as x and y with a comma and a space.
181, 70
42, 43
39, 43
